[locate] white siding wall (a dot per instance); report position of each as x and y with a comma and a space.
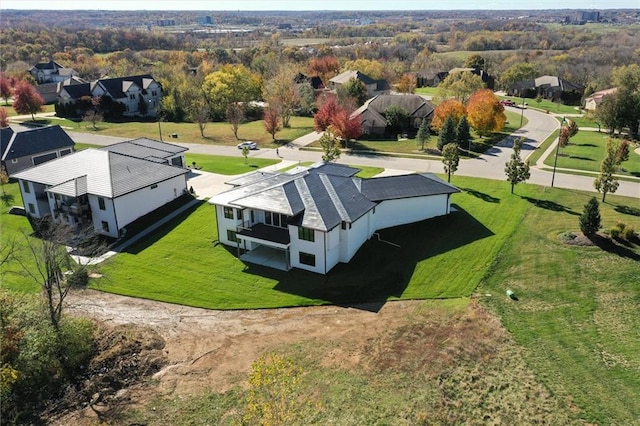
225, 224
30, 198
316, 248
107, 215
333, 247
408, 210
131, 206
352, 239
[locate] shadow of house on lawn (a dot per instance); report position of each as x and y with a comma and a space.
379, 270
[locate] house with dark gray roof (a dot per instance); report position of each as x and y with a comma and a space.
140, 95
374, 87
314, 219
104, 189
51, 72
21, 150
549, 87
371, 113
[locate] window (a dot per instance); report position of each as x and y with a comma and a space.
105, 226
32, 208
306, 234
231, 236
228, 213
64, 152
308, 259
26, 187
132, 96
154, 186
101, 205
154, 93
275, 219
346, 225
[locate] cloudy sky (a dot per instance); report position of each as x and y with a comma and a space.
213, 5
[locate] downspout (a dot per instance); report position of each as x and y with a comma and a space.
115, 215
325, 252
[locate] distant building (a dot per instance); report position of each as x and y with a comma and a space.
165, 22
374, 87
51, 72
591, 103
205, 20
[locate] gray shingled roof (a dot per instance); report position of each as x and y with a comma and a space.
35, 141
102, 173
334, 169
147, 149
406, 186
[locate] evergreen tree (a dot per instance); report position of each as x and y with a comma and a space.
447, 133
423, 134
463, 132
516, 170
590, 218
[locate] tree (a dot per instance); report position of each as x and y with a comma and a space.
230, 84
92, 116
245, 153
407, 83
271, 122
424, 134
590, 218
450, 159
26, 100
4, 119
5, 89
518, 72
199, 111
606, 181
346, 127
460, 85
485, 112
463, 133
450, 108
236, 116
282, 95
371, 67
516, 170
327, 110
447, 133
397, 118
567, 132
622, 152
330, 146
7, 199
324, 67
353, 92
475, 61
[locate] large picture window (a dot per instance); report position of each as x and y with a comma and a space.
275, 219
306, 234
307, 259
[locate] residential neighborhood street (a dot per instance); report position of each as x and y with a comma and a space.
489, 165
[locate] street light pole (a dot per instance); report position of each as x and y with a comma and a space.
555, 161
159, 128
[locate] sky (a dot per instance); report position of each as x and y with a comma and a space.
213, 5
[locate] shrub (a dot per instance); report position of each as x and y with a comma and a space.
79, 278
623, 231
590, 218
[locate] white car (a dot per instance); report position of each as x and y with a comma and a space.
248, 144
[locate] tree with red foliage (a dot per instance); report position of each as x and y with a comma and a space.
324, 67
5, 89
271, 122
485, 112
344, 126
327, 108
4, 119
26, 100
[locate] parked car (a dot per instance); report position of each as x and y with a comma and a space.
507, 102
248, 144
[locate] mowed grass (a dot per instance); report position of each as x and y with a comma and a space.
442, 257
219, 133
577, 314
586, 152
12, 112
227, 165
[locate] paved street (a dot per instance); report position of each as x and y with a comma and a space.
489, 165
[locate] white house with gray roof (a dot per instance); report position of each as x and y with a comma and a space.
99, 187
316, 218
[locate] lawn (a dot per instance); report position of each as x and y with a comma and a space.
215, 133
461, 248
227, 165
586, 152
12, 112
545, 105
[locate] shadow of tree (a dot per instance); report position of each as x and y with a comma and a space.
610, 246
577, 157
628, 210
549, 205
484, 197
7, 199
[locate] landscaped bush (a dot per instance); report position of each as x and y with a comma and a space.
622, 231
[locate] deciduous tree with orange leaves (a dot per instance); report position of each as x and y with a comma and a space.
485, 112
450, 108
324, 67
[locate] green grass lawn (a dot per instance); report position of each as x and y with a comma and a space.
12, 112
586, 152
228, 165
545, 105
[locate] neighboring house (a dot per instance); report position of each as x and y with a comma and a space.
51, 72
131, 92
24, 149
372, 118
150, 149
374, 87
315, 81
317, 218
99, 188
549, 87
591, 103
434, 78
